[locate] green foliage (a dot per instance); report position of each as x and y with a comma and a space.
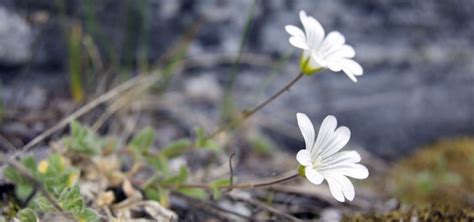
177, 179
176, 148
83, 140
158, 194
193, 192
159, 162
216, 187
71, 200
143, 141
52, 173
27, 215
23, 187
88, 215
203, 141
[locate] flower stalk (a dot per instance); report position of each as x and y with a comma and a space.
246, 114
242, 186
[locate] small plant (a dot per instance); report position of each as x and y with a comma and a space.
121, 180
58, 180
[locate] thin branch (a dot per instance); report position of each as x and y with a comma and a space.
262, 205
213, 208
231, 177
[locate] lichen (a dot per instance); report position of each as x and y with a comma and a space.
440, 173
432, 213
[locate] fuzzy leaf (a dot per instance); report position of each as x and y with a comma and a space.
193, 192
55, 165
83, 140
216, 187
88, 215
180, 178
143, 141
27, 215
176, 148
159, 162
41, 203
71, 200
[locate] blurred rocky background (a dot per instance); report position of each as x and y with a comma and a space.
418, 84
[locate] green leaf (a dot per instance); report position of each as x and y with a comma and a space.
216, 187
27, 215
180, 178
160, 163
211, 145
30, 164
23, 188
203, 142
143, 141
41, 203
83, 140
176, 148
55, 165
71, 200
158, 194
193, 192
152, 194
23, 191
88, 215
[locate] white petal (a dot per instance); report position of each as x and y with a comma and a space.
313, 175
335, 189
352, 66
307, 130
295, 31
331, 43
317, 61
353, 170
351, 76
336, 141
345, 51
330, 140
327, 127
349, 66
298, 43
313, 29
344, 157
344, 184
304, 157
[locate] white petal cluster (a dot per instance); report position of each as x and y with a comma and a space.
322, 160
320, 51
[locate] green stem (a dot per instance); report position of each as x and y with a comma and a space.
250, 185
248, 113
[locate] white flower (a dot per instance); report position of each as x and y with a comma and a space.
322, 161
323, 52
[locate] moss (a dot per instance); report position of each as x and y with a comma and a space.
432, 213
438, 173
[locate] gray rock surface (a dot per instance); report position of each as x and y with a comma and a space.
417, 57
15, 38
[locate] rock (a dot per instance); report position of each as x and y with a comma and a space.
15, 39
203, 88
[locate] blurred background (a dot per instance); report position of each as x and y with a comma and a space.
417, 88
